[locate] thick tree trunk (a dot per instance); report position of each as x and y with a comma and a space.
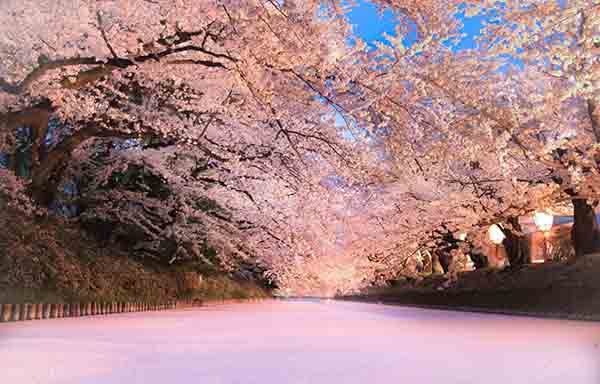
516, 246
585, 234
48, 168
480, 261
37, 118
445, 261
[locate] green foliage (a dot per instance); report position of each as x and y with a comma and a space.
208, 205
137, 178
209, 252
224, 287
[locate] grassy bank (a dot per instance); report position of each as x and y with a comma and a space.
50, 260
552, 290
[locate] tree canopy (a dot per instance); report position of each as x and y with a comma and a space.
267, 133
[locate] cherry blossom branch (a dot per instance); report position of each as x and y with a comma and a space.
104, 37
106, 65
226, 186
593, 110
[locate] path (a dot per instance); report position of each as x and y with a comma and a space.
300, 342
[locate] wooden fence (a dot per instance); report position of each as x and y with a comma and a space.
39, 311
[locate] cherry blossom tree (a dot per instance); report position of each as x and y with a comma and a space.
264, 133
491, 133
220, 105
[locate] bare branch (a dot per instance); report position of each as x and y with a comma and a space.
104, 37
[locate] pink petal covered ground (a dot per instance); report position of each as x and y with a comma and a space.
300, 342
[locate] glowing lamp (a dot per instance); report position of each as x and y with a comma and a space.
496, 234
543, 221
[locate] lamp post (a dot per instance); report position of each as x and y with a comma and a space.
543, 221
496, 236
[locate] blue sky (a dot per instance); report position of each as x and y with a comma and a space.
370, 24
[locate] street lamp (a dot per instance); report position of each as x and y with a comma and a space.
543, 221
496, 236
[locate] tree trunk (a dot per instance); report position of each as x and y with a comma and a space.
445, 259
47, 171
516, 246
479, 260
436, 266
584, 234
427, 263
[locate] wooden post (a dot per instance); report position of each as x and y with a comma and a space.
26, 311
6, 312
16, 312
46, 311
38, 311
53, 311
